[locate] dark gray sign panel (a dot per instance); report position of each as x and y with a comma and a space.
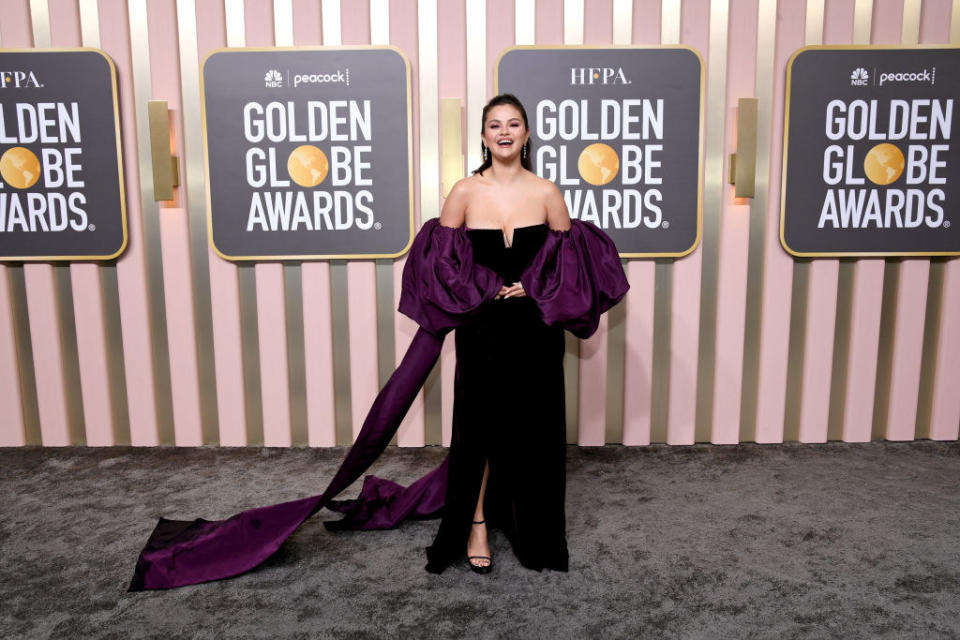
308, 153
619, 131
868, 152
61, 178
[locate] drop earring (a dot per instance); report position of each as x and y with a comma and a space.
486, 154
523, 152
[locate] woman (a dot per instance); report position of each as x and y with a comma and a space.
507, 267
508, 413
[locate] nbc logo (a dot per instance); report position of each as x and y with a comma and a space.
273, 79
859, 77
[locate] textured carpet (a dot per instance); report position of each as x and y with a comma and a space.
748, 541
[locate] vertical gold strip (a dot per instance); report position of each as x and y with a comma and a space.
343, 409
429, 113
292, 280
955, 23
142, 91
233, 12
380, 22
616, 361
386, 345
888, 325
622, 22
801, 278
386, 355
116, 367
429, 177
910, 29
330, 19
660, 383
283, 23
670, 22
814, 24
841, 342
622, 17
663, 281
40, 17
196, 195
89, 23
71, 362
572, 35
524, 22
862, 18
246, 275
451, 153
766, 48
931, 336
476, 15
341, 352
296, 353
712, 205
116, 376
573, 21
28, 374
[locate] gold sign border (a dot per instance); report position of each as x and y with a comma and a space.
119, 141
786, 138
700, 160
312, 256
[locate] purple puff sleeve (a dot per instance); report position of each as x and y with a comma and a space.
575, 277
441, 283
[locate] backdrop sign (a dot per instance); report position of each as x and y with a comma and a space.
308, 153
868, 152
61, 179
619, 131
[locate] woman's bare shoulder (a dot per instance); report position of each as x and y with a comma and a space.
553, 203
545, 187
454, 211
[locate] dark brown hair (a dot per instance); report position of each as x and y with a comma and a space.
510, 99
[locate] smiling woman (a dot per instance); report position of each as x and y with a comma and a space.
507, 268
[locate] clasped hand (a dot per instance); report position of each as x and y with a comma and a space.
513, 291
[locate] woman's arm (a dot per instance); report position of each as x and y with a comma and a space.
558, 218
454, 212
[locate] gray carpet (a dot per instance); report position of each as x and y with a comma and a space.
748, 541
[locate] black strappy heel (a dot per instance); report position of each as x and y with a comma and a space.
480, 568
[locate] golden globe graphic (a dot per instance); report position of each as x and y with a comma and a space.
869, 154
617, 130
308, 165
19, 167
883, 164
61, 195
598, 164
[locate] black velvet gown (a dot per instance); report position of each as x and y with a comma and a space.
508, 411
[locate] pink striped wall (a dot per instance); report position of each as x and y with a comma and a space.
857, 371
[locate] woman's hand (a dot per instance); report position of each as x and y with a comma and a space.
513, 291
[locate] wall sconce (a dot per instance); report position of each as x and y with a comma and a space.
166, 166
451, 151
743, 163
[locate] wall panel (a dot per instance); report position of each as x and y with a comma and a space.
170, 344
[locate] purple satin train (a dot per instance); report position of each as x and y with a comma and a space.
575, 277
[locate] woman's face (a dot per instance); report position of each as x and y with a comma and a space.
504, 132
